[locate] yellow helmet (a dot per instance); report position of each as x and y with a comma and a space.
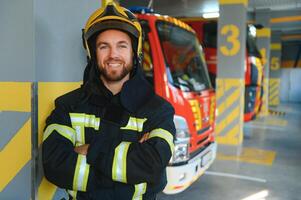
112, 16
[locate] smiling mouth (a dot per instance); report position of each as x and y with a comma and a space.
114, 65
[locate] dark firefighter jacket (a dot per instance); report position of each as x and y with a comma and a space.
117, 165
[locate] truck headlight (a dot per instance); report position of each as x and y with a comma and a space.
182, 141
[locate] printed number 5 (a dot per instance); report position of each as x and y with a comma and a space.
275, 63
233, 32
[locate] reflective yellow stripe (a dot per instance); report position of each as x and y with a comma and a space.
167, 136
82, 119
119, 162
135, 124
140, 189
72, 193
65, 131
81, 174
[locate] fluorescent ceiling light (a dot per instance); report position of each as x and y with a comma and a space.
211, 15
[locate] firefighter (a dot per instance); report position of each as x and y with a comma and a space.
112, 138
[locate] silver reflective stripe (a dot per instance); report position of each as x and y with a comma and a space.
72, 193
63, 130
165, 135
81, 120
92, 121
140, 189
80, 133
119, 162
81, 174
85, 120
77, 119
135, 124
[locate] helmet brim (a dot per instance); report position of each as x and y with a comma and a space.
111, 24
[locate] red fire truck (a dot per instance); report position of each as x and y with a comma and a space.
175, 65
206, 31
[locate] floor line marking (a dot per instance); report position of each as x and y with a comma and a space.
235, 176
263, 127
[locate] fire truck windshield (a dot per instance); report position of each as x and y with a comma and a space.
183, 57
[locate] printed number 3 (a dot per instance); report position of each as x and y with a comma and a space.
233, 32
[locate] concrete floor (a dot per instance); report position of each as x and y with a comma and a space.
270, 163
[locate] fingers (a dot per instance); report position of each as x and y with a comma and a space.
82, 149
144, 138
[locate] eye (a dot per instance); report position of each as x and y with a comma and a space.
102, 46
123, 46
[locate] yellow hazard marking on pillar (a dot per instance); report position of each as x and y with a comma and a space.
222, 125
244, 2
46, 190
230, 102
276, 46
251, 155
274, 91
15, 96
265, 104
47, 93
15, 155
264, 32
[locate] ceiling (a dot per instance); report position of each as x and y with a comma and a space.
285, 14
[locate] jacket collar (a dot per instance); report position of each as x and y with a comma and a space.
133, 95
136, 92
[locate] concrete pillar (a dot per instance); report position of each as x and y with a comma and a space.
16, 78
275, 73
230, 73
263, 42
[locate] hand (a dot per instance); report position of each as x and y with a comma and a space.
144, 138
82, 149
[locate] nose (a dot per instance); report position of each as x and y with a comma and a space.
113, 52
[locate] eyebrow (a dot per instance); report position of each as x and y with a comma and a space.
123, 42
106, 43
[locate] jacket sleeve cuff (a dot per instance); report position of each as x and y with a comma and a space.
98, 147
103, 144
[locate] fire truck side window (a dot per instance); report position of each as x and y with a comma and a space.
210, 35
147, 63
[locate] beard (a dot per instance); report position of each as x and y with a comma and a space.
115, 75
